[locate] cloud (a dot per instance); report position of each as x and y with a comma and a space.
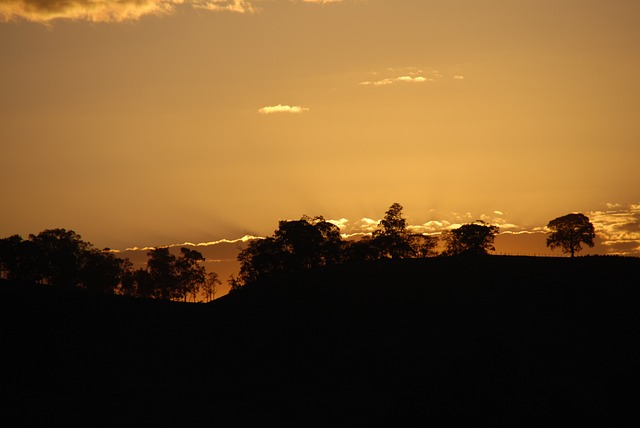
393, 75
239, 6
45, 11
282, 109
618, 227
245, 238
390, 81
458, 77
341, 223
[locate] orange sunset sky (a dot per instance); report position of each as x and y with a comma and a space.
156, 122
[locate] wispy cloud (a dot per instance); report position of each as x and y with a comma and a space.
239, 6
390, 81
245, 238
45, 11
282, 109
401, 75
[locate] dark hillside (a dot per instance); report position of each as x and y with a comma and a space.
391, 343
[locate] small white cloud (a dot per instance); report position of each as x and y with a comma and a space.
458, 77
282, 109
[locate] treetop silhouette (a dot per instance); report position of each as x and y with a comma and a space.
471, 239
569, 232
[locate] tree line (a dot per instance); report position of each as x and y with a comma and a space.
61, 258
313, 242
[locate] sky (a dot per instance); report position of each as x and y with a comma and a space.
143, 123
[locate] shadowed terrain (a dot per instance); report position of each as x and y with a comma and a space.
388, 343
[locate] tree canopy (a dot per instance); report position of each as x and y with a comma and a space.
296, 245
470, 239
60, 258
569, 232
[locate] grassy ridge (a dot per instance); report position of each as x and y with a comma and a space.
496, 339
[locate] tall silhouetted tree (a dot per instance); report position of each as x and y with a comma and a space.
392, 236
470, 239
161, 266
210, 286
569, 232
191, 275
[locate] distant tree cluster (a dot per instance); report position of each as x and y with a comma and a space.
169, 277
312, 242
60, 258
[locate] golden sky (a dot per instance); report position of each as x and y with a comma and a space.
153, 122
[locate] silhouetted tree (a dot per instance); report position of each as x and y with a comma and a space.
569, 232
470, 239
191, 275
102, 271
58, 256
360, 250
235, 284
139, 284
296, 245
392, 236
210, 286
170, 277
15, 259
161, 266
422, 245
262, 257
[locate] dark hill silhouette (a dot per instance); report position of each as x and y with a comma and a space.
392, 343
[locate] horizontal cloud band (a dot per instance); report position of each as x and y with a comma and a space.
44, 11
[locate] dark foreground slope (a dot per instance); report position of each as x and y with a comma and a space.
405, 343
